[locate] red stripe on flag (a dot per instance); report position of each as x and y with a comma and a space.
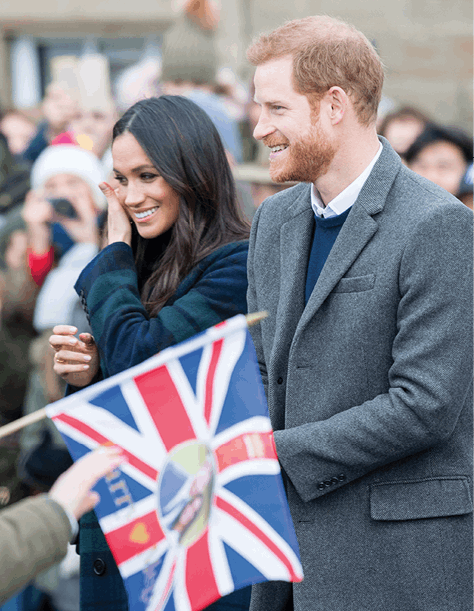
135, 537
165, 406
216, 352
255, 530
248, 446
200, 581
99, 438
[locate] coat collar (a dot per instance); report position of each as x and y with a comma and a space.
295, 244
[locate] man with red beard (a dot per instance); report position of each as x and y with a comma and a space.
366, 355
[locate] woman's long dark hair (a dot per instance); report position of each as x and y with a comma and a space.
184, 146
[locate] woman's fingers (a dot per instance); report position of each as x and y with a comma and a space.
75, 357
109, 193
118, 221
64, 330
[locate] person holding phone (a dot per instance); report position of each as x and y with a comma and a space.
174, 265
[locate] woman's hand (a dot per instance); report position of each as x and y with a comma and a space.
118, 222
75, 360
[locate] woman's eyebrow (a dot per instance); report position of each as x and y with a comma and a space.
138, 168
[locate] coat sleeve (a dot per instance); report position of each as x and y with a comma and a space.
126, 335
431, 372
34, 534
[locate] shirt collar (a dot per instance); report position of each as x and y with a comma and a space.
346, 198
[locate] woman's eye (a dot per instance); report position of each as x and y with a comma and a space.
147, 176
120, 179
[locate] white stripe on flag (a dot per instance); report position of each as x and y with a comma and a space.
219, 562
250, 547
126, 467
256, 424
230, 354
123, 516
265, 527
265, 466
145, 559
180, 591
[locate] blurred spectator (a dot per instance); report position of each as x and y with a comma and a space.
465, 188
61, 217
441, 154
189, 68
14, 184
18, 129
260, 183
91, 126
17, 292
59, 108
35, 533
402, 127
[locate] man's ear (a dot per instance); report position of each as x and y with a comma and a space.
337, 103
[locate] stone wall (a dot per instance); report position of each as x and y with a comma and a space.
426, 45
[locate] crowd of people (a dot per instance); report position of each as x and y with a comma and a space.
181, 179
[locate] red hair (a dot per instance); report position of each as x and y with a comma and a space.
326, 52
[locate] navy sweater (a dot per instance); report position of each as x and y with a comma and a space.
324, 235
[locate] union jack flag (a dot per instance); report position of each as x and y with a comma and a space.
199, 509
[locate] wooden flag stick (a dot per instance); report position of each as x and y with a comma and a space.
255, 317
20, 423
16, 425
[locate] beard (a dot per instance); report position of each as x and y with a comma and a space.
305, 160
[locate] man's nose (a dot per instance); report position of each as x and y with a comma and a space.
263, 127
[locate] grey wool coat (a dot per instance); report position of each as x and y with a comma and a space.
370, 394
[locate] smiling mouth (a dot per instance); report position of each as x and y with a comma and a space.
140, 216
277, 150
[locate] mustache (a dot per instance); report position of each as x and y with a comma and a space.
274, 140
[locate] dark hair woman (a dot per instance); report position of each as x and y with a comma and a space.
174, 265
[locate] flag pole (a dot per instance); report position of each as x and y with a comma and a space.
20, 423
255, 318
17, 425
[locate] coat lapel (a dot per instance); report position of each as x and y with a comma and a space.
356, 232
295, 243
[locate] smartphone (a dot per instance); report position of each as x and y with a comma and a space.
63, 207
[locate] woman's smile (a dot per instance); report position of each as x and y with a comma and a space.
144, 216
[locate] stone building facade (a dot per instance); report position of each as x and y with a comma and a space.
426, 45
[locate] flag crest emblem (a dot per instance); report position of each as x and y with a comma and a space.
198, 510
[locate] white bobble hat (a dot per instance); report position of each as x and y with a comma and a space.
70, 159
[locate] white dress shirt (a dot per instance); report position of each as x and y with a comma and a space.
346, 198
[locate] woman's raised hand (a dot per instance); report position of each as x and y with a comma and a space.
118, 222
75, 360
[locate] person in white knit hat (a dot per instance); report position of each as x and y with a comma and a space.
61, 215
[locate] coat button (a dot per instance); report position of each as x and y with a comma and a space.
335, 480
280, 380
327, 482
321, 486
341, 477
99, 567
